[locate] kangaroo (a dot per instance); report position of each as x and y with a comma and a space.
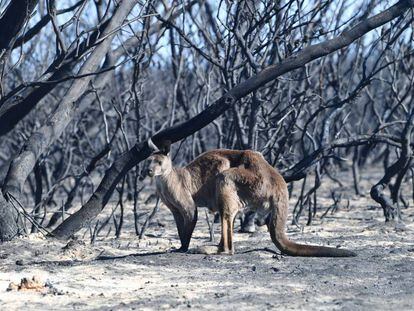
184, 189
228, 181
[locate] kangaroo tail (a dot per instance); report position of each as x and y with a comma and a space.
276, 227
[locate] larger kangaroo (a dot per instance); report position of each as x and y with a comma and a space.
228, 181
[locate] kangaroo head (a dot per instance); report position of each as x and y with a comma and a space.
160, 164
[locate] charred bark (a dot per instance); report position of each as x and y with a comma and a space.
399, 168
11, 23
24, 163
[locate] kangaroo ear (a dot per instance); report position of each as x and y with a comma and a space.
165, 147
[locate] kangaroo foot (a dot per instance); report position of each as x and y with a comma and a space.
210, 250
225, 251
179, 250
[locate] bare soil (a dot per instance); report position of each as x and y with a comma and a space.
128, 274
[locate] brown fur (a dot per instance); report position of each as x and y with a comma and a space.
228, 181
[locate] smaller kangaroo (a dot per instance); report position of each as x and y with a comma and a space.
227, 181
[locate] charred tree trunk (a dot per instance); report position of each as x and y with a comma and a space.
399, 168
11, 23
38, 143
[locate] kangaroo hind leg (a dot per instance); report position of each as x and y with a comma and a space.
228, 203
